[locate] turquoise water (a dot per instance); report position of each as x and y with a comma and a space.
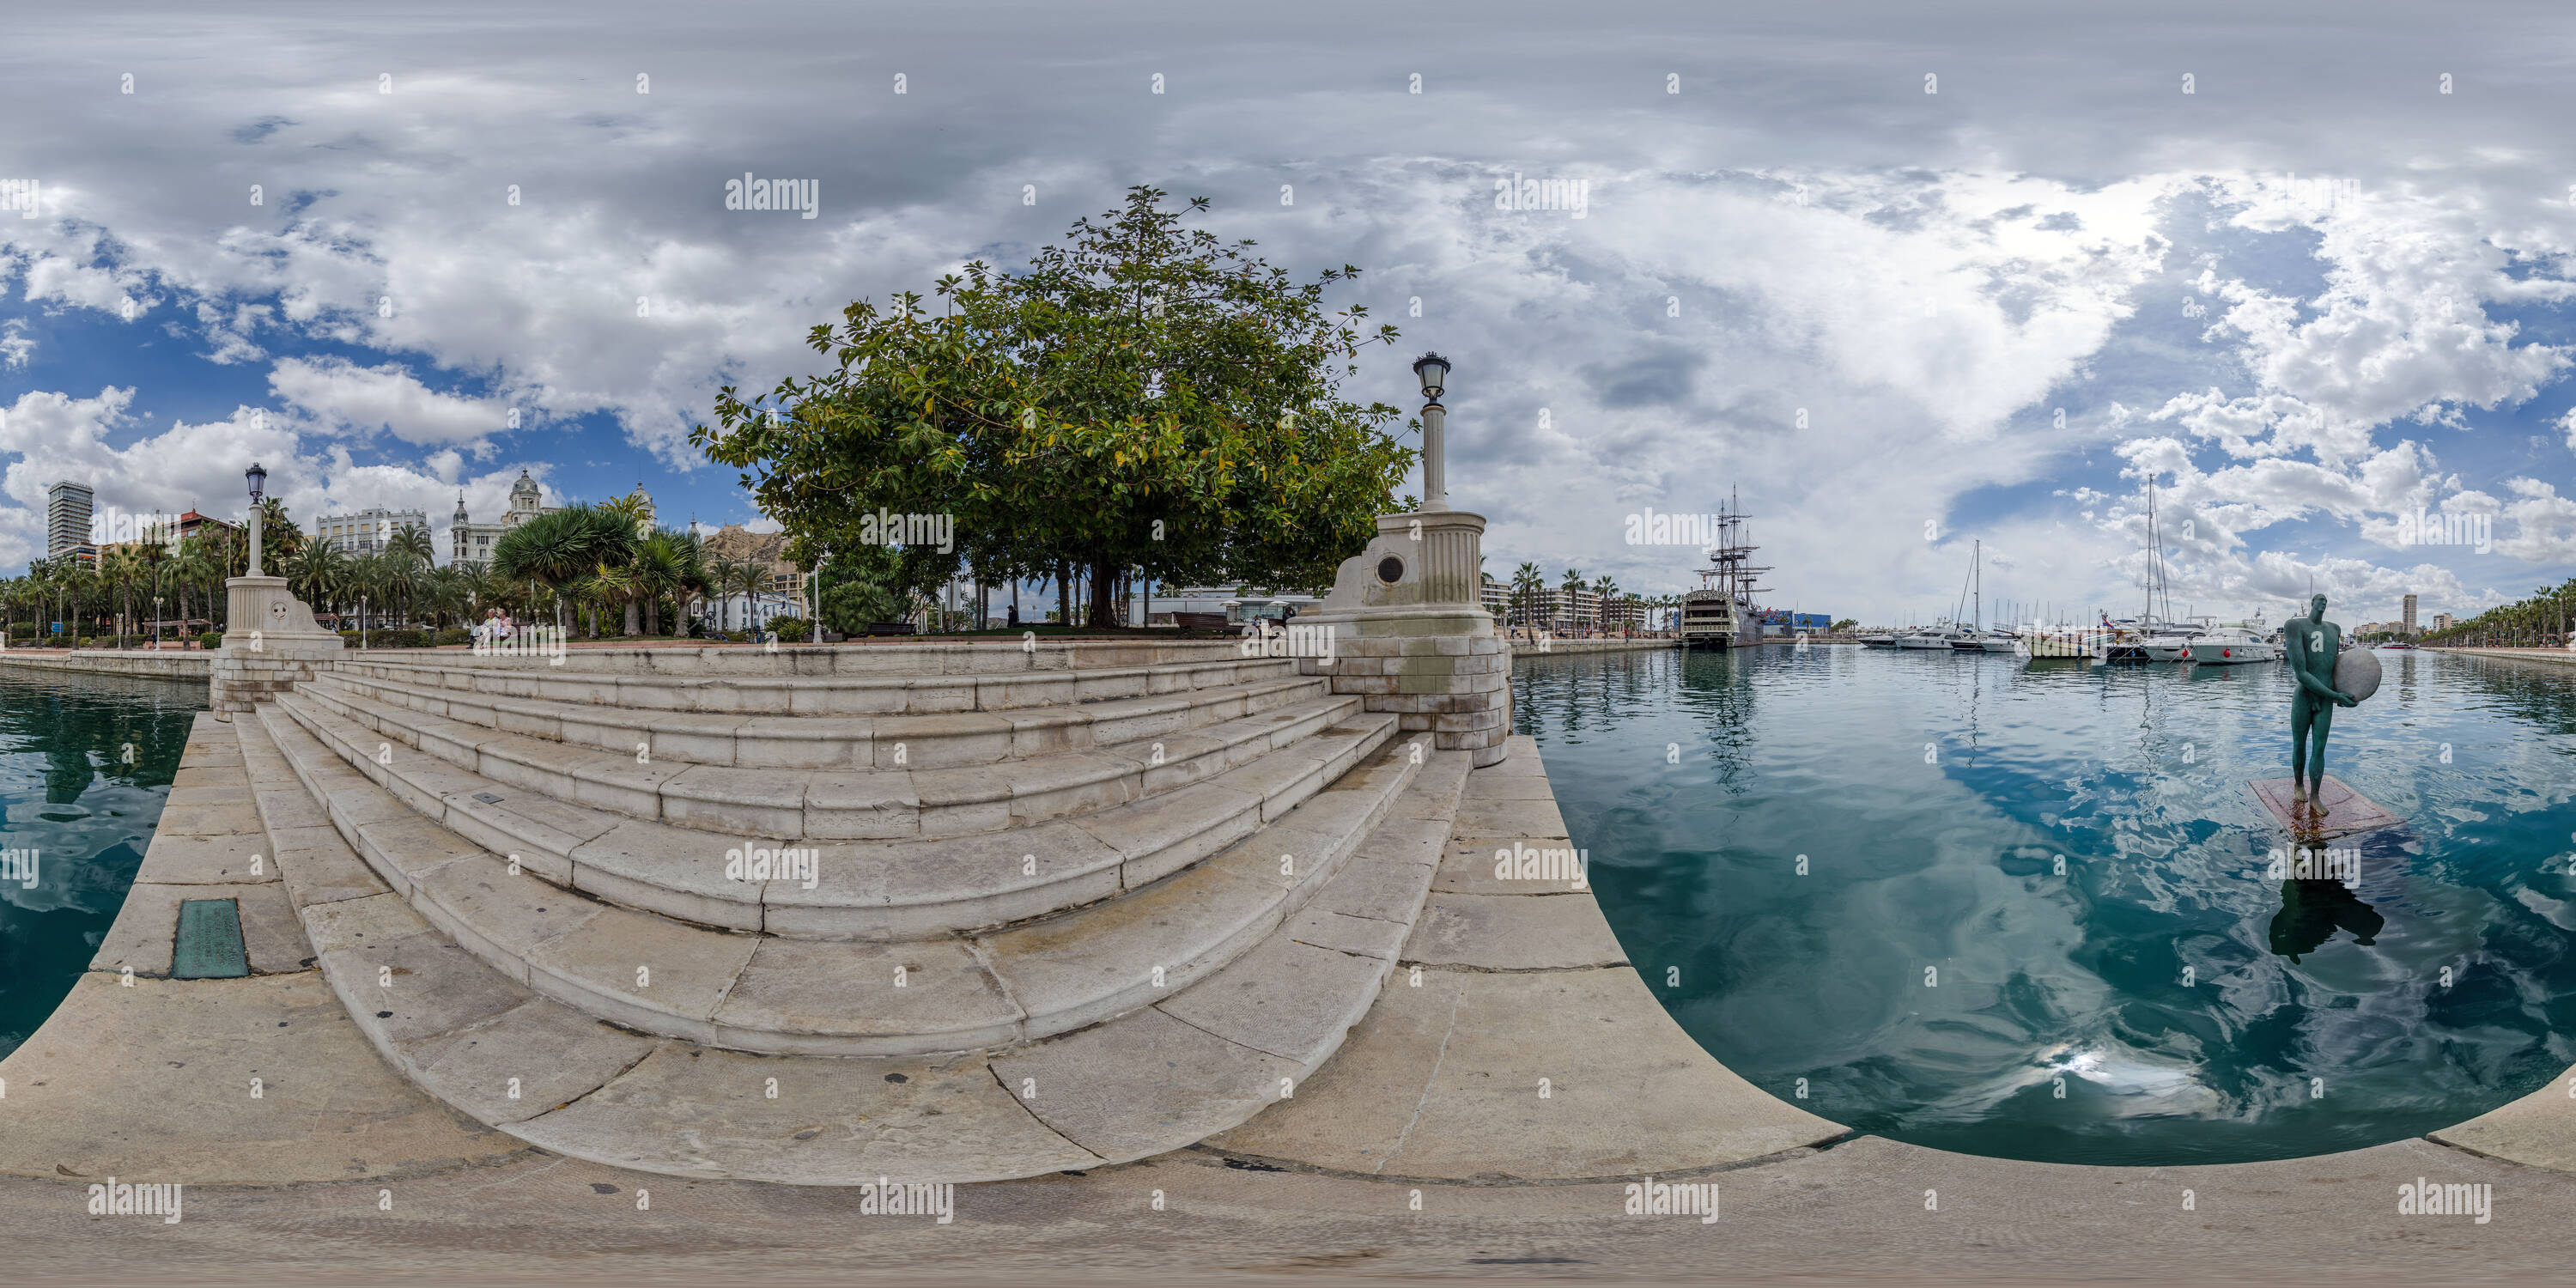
1933, 978
85, 764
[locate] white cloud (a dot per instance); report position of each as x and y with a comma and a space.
346, 398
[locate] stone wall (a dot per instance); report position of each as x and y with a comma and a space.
168, 664
1455, 687
1558, 648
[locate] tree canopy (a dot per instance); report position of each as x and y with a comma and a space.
1144, 397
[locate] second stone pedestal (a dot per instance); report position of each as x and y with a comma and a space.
1404, 630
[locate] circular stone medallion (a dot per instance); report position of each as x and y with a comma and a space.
2357, 673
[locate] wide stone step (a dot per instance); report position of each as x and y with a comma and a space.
842, 803
775, 995
1199, 1061
893, 742
1113, 669
880, 890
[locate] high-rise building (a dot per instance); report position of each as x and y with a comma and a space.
2410, 615
67, 522
2441, 621
366, 532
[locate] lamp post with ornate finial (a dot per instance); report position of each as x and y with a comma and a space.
1433, 370
258, 479
1404, 627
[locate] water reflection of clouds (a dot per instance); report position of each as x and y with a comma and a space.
1952, 865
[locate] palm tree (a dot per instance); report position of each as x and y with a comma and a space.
411, 557
1573, 587
750, 577
1603, 588
1529, 585
317, 574
561, 547
664, 563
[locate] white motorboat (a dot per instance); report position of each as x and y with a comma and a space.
1936, 638
2229, 645
2054, 643
2166, 648
1878, 641
1986, 641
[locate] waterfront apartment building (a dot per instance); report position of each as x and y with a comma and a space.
1551, 607
368, 531
2442, 621
67, 522
2408, 620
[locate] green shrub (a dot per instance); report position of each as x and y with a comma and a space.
457, 635
738, 637
791, 630
211, 639
22, 630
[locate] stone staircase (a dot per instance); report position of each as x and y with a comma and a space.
934, 912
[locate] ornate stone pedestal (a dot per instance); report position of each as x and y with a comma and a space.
1408, 633
274, 643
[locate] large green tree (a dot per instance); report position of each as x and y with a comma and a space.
1144, 397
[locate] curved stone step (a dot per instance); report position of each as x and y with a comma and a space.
774, 995
1197, 1063
882, 890
866, 679
776, 740
666, 774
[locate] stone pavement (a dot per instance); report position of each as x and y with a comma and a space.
1380, 1169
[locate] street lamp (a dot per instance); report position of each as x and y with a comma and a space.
258, 479
1434, 373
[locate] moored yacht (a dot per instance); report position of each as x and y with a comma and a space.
2229, 645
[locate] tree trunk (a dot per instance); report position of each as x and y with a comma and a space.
1063, 595
1104, 593
634, 618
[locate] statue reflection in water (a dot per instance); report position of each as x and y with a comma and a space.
2312, 910
2319, 889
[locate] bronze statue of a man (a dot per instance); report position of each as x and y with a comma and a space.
2312, 643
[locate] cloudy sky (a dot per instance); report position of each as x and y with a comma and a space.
1904, 276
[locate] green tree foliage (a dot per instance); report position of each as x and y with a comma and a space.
564, 548
1143, 397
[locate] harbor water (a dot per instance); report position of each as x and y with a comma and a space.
86, 763
2033, 911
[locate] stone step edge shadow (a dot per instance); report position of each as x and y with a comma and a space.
762, 995
1112, 851
777, 694
834, 740
650, 781
607, 1095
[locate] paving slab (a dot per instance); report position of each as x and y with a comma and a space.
1285, 998
1443, 1080
531, 1059
154, 1082
1143, 1083
175, 859
2538, 1130
144, 933
701, 1111
1513, 932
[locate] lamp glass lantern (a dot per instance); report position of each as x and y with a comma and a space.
1434, 373
258, 480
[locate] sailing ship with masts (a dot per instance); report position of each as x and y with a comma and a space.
1720, 614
